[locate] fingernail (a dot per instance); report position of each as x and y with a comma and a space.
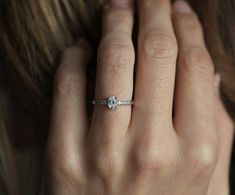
217, 82
119, 3
182, 6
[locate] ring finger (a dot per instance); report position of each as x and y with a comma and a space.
115, 67
157, 52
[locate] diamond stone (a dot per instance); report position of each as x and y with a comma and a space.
112, 102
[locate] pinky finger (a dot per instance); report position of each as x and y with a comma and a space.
69, 110
68, 123
220, 179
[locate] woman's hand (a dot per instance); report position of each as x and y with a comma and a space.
140, 150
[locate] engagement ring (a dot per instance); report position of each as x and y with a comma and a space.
112, 102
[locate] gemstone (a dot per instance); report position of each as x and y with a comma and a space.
112, 102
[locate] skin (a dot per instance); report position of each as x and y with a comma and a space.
141, 150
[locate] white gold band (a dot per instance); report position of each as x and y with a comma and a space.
112, 102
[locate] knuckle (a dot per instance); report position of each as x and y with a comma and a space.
63, 170
203, 158
151, 158
66, 168
116, 56
69, 76
159, 46
197, 60
67, 80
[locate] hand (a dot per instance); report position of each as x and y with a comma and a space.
139, 150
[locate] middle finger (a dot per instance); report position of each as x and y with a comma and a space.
157, 53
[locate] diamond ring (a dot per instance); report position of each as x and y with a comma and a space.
112, 102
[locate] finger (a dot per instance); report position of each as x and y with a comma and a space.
220, 179
194, 94
68, 120
115, 67
157, 52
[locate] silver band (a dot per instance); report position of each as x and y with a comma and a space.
112, 102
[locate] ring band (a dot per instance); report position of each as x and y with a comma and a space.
112, 102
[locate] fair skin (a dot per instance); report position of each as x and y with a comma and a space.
142, 149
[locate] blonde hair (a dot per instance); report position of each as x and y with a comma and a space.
32, 36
